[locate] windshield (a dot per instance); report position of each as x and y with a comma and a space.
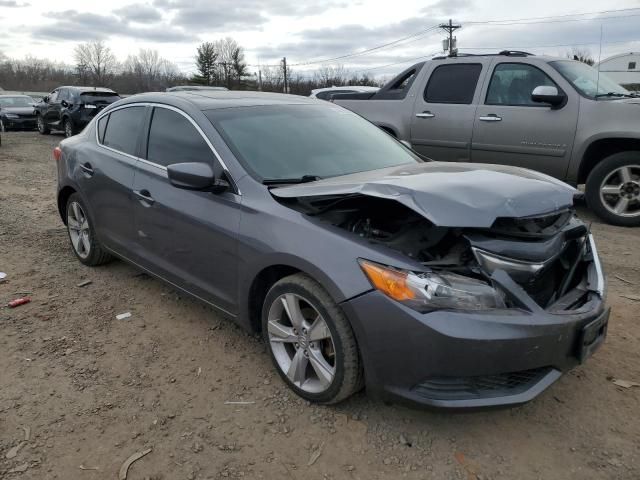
292, 141
16, 101
587, 80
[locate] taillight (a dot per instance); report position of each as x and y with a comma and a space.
57, 153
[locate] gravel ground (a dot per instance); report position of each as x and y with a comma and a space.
81, 391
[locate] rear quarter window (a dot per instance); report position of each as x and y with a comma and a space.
455, 83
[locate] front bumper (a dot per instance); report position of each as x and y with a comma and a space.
460, 359
21, 123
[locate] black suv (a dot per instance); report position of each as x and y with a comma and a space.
70, 108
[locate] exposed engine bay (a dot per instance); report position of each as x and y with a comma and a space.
545, 255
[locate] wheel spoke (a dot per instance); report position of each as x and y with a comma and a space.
85, 242
296, 372
611, 189
75, 239
625, 174
319, 330
621, 206
291, 305
321, 367
76, 212
280, 333
73, 224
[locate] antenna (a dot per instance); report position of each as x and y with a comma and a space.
599, 60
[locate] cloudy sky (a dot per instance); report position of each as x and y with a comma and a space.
308, 31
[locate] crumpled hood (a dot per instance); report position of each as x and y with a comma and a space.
17, 110
450, 194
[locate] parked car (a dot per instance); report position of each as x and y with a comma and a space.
449, 285
70, 108
194, 88
327, 93
556, 116
16, 113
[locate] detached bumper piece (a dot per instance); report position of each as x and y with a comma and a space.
483, 390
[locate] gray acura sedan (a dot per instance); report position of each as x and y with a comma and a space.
449, 285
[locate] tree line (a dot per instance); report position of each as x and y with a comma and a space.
218, 63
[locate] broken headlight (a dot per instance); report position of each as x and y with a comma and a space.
429, 291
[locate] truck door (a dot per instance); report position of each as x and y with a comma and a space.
511, 129
442, 120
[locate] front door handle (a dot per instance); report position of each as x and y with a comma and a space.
492, 117
426, 114
87, 169
144, 196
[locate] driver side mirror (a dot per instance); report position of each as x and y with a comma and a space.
64, 103
46, 99
195, 176
548, 94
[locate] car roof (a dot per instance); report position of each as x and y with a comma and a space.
363, 88
217, 99
13, 95
87, 89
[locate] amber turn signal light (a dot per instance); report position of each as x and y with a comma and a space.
389, 281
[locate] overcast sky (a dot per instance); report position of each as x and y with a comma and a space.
307, 30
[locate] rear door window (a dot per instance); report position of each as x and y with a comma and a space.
123, 129
98, 98
174, 139
455, 83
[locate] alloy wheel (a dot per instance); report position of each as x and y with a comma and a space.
301, 343
2, 127
40, 122
68, 130
79, 232
620, 191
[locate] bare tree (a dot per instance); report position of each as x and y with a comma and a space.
331, 76
231, 64
581, 55
149, 70
97, 59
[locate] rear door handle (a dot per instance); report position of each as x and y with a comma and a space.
492, 117
426, 114
144, 196
87, 169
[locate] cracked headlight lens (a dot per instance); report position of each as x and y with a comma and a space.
430, 291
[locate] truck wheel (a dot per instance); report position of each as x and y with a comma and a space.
310, 341
613, 189
42, 127
69, 129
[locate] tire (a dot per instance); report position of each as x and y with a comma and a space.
88, 249
42, 126
610, 173
68, 128
2, 127
339, 350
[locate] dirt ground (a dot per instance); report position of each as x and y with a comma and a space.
86, 391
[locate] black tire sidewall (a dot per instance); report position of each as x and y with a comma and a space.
68, 123
595, 179
44, 130
288, 286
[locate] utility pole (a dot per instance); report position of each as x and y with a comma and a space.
284, 68
452, 44
259, 80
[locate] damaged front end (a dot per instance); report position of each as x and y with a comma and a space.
540, 262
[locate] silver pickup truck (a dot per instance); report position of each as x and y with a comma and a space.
557, 116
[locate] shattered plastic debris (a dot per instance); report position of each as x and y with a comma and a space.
635, 298
13, 452
122, 475
84, 284
3, 277
239, 403
315, 455
18, 301
123, 316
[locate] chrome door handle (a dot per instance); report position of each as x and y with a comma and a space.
86, 168
492, 117
144, 196
426, 114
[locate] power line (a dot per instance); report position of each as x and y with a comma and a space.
560, 18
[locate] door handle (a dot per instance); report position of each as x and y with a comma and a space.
426, 114
492, 117
87, 169
144, 196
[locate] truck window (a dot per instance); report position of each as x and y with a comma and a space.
512, 84
455, 83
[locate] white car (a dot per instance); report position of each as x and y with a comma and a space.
325, 93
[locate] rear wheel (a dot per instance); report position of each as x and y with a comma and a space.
2, 127
42, 126
82, 234
613, 189
310, 341
69, 129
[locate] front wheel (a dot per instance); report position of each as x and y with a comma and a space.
310, 341
42, 126
613, 189
69, 129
